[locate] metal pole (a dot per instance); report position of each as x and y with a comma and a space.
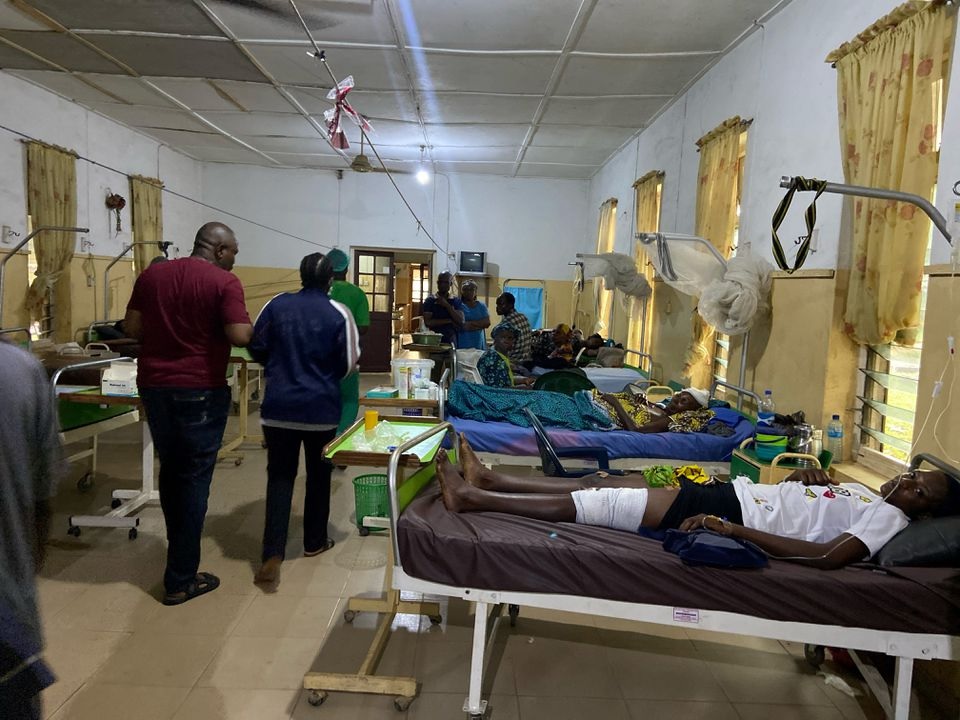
6, 258
743, 367
106, 272
649, 238
881, 194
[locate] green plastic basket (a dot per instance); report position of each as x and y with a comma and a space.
370, 492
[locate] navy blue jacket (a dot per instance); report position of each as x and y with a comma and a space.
306, 343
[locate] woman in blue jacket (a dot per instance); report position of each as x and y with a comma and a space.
306, 343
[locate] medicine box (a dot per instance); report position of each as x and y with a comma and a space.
382, 392
119, 379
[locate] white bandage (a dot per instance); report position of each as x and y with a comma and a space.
617, 508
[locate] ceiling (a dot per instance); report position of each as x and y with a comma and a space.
528, 88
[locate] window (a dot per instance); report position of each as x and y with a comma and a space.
647, 205
721, 343
606, 235
421, 282
43, 326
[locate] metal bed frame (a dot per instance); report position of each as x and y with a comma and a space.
905, 647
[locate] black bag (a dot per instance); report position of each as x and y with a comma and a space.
705, 547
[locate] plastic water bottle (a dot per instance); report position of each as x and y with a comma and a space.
835, 439
767, 409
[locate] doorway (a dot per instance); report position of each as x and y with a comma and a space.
396, 283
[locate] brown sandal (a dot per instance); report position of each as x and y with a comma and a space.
201, 585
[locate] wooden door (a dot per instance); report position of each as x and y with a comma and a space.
373, 273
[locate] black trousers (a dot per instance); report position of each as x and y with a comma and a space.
283, 462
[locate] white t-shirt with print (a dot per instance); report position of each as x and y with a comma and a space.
819, 514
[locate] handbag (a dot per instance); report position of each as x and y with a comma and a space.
705, 547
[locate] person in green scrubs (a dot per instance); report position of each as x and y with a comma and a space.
356, 301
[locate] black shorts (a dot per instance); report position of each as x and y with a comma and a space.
718, 499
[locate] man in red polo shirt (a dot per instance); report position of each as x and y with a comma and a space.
188, 313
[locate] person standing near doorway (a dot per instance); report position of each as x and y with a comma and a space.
476, 318
443, 313
355, 299
188, 313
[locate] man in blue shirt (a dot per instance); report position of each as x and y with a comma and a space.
442, 313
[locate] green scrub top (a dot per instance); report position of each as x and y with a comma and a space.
354, 298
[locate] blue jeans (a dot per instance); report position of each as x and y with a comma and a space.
283, 462
187, 425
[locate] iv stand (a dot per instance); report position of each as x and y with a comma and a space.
6, 258
106, 272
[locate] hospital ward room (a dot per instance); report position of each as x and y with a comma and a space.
432, 359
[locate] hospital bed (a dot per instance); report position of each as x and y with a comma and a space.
497, 560
501, 443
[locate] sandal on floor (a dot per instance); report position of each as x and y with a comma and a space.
326, 546
201, 585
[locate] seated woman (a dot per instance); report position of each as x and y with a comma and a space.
685, 412
494, 365
807, 518
588, 351
553, 350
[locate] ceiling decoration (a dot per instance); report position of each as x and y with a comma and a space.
540, 88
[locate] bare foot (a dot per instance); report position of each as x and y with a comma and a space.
474, 471
454, 489
269, 572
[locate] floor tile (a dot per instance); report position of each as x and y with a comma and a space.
786, 712
651, 676
687, 710
122, 702
287, 616
547, 667
168, 660
756, 685
238, 704
75, 655
215, 613
350, 706
567, 708
261, 663
433, 706
116, 607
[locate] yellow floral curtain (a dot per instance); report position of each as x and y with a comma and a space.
891, 87
146, 218
52, 202
716, 218
647, 220
606, 236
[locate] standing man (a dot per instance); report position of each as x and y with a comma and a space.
30, 465
442, 313
523, 347
355, 299
188, 313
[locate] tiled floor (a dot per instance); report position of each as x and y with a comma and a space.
241, 654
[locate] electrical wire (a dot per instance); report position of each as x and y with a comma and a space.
167, 190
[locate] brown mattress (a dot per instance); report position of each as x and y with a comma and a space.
495, 551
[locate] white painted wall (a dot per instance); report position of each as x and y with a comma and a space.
777, 77
530, 228
48, 117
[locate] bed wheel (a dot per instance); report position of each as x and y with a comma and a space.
73, 530
316, 697
238, 462
364, 531
349, 616
435, 619
401, 703
814, 655
115, 503
514, 611
85, 482
132, 535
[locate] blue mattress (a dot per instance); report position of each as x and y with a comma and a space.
507, 439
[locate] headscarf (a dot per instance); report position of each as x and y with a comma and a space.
701, 396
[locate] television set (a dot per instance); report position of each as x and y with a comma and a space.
472, 263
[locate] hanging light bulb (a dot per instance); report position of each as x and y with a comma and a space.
423, 175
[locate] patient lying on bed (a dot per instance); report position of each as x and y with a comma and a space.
807, 518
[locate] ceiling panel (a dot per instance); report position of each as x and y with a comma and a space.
571, 155
168, 16
372, 69
64, 84
12, 18
190, 138
11, 58
283, 125
632, 112
484, 168
178, 57
490, 25
196, 93
622, 76
387, 132
451, 154
556, 171
61, 49
150, 117
329, 162
234, 154
256, 96
313, 146
581, 136
628, 26
131, 89
342, 20
448, 108
514, 74
477, 135
390, 105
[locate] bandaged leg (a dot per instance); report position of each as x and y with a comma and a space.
617, 508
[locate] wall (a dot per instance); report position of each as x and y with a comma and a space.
45, 116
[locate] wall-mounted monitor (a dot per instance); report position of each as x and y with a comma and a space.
472, 263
